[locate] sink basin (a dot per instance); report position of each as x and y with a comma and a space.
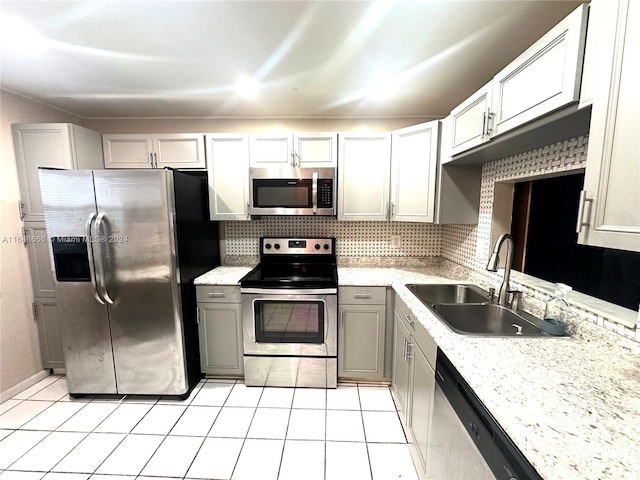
433, 293
487, 319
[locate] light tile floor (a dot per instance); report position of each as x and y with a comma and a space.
224, 430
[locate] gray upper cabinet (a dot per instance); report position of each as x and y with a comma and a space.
609, 214
228, 175
294, 149
364, 163
470, 122
414, 163
545, 77
56, 145
176, 150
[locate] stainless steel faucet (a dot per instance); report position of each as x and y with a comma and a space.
494, 261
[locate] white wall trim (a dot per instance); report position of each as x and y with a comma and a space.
20, 387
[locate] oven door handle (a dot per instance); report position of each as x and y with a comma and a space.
286, 291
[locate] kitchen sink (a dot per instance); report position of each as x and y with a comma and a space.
487, 319
434, 293
466, 309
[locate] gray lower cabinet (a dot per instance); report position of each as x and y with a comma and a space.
413, 383
220, 330
361, 332
45, 314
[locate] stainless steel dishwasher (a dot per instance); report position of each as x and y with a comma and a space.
465, 441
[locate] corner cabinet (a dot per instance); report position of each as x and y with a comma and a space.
363, 182
294, 150
414, 163
413, 383
470, 122
176, 150
220, 330
228, 176
361, 332
609, 213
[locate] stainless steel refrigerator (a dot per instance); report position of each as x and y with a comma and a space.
126, 246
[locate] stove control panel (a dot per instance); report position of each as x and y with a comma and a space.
297, 246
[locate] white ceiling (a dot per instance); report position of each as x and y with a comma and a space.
312, 58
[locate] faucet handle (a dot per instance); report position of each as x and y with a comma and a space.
515, 299
492, 294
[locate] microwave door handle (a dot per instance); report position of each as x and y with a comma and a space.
314, 192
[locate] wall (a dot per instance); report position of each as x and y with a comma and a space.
19, 348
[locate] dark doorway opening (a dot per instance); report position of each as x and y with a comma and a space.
545, 213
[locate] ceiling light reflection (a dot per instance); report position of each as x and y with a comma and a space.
18, 36
247, 87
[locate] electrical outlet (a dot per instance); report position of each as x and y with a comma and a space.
396, 240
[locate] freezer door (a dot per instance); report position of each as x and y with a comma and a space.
137, 264
69, 206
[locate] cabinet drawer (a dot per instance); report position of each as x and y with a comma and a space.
218, 293
361, 295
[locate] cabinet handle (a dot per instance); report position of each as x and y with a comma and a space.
393, 206
341, 318
484, 125
151, 159
404, 349
293, 159
197, 315
362, 295
409, 347
25, 237
216, 294
248, 211
34, 309
582, 201
408, 319
155, 160
490, 116
21, 210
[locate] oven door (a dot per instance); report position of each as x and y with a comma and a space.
291, 323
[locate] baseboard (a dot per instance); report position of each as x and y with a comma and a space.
16, 389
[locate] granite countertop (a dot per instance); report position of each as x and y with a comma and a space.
572, 405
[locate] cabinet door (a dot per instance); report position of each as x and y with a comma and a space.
423, 385
414, 163
228, 176
610, 204
271, 150
180, 150
40, 261
127, 151
470, 122
545, 77
363, 184
361, 341
316, 149
220, 332
39, 145
45, 313
400, 379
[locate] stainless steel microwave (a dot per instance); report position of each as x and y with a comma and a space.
292, 191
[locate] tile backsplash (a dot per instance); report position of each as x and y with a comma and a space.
353, 239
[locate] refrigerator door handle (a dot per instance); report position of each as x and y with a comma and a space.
102, 282
92, 268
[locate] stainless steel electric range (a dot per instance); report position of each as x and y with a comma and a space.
290, 314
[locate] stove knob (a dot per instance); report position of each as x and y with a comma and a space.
277, 246
326, 246
317, 246
267, 246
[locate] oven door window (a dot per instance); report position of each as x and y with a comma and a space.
282, 321
284, 193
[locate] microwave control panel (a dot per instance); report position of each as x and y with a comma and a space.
325, 193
